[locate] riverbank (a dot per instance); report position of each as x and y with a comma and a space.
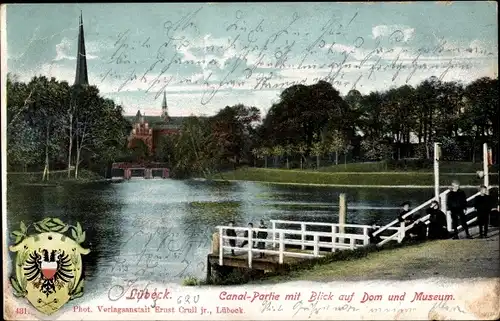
457, 259
56, 178
381, 179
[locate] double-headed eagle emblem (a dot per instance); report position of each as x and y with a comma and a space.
48, 267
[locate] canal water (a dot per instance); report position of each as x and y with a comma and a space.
160, 230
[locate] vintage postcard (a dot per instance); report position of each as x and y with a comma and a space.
250, 161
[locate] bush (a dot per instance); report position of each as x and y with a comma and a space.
191, 281
410, 164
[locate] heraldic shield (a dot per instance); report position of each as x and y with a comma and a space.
48, 265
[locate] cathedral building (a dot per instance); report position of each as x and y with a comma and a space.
81, 76
150, 129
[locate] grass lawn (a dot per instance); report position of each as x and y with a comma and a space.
363, 176
402, 167
445, 258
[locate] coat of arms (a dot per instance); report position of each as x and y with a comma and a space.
48, 265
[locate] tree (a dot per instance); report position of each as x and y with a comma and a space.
288, 150
140, 150
46, 103
265, 152
58, 121
304, 111
426, 96
301, 149
255, 153
335, 142
277, 151
317, 149
479, 115
347, 148
376, 150
23, 140
231, 130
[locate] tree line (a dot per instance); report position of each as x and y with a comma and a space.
312, 122
52, 125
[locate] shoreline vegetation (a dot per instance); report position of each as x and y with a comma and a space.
360, 175
309, 126
354, 175
56, 178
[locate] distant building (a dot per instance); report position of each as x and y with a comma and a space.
150, 129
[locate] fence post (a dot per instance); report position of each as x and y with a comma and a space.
316, 245
366, 239
250, 247
444, 209
485, 167
302, 235
342, 215
282, 246
221, 247
352, 243
334, 237
436, 170
401, 232
273, 223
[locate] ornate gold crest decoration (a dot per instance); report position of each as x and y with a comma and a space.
48, 265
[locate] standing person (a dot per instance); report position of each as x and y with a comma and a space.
262, 235
457, 205
405, 209
245, 242
483, 205
437, 225
231, 232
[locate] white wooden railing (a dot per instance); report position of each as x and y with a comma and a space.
280, 237
400, 234
334, 228
277, 244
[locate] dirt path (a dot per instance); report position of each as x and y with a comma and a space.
462, 258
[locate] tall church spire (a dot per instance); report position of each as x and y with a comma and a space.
81, 77
164, 111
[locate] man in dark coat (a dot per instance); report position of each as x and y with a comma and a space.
232, 233
457, 205
405, 209
374, 239
254, 235
437, 225
419, 230
483, 205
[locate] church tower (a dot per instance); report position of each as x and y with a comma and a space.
81, 77
164, 107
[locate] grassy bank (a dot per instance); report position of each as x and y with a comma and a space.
362, 177
420, 166
445, 258
55, 177
242, 276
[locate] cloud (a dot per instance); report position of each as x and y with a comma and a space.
388, 30
66, 50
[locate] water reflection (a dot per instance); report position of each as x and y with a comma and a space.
160, 230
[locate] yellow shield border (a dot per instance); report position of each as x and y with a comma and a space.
47, 225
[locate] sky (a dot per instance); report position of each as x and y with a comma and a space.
210, 55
